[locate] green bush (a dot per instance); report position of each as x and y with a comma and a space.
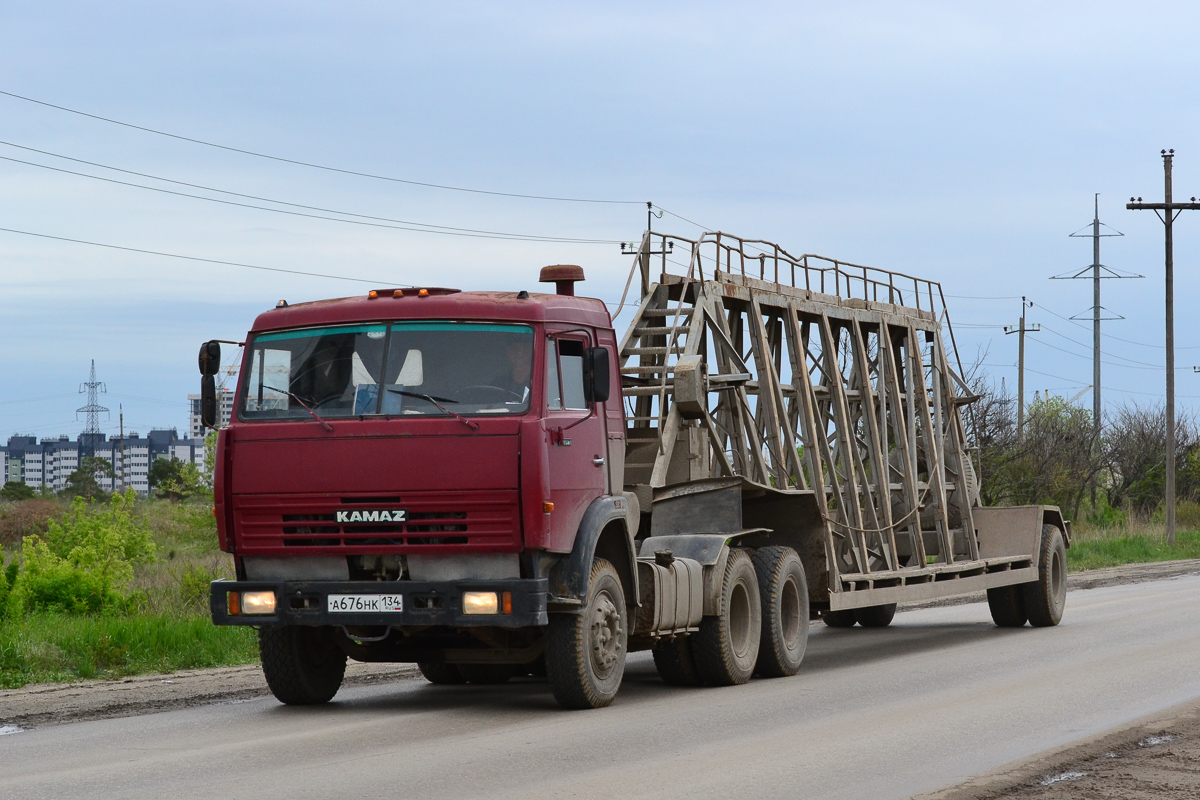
84, 562
193, 587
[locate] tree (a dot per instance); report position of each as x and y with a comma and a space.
85, 481
17, 491
163, 469
173, 479
1135, 454
210, 458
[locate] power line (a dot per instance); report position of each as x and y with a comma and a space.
1132, 361
1110, 363
1109, 335
406, 224
314, 165
198, 258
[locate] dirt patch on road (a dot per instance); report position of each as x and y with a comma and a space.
1155, 758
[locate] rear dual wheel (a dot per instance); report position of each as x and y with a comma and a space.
1046, 597
783, 594
726, 648
869, 617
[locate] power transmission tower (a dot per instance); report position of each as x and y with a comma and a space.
91, 435
1098, 271
1021, 329
1170, 210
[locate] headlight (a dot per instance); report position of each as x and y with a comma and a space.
480, 603
258, 603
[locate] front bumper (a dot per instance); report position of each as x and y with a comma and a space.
425, 603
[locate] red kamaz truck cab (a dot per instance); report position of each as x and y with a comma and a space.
423, 475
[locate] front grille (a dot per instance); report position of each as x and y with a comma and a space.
434, 522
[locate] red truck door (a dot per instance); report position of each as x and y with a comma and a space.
578, 448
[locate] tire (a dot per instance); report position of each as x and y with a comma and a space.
726, 647
303, 666
1007, 604
441, 673
783, 594
585, 653
675, 664
839, 619
486, 674
875, 616
1046, 597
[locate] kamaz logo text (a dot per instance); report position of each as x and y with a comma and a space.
372, 516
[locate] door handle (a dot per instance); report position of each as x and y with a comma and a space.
598, 461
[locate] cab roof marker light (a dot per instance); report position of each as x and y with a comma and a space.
423, 293
372, 295
398, 293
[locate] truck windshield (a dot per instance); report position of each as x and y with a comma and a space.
427, 369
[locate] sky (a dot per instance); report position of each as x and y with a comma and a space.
960, 142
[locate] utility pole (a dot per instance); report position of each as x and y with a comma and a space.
1169, 211
121, 408
91, 432
1097, 272
1021, 329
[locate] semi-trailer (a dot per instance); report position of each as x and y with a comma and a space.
492, 484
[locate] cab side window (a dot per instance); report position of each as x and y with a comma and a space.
564, 375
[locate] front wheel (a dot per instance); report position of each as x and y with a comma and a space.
585, 653
303, 666
1046, 597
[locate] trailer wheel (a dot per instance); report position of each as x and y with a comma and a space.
302, 665
1007, 604
585, 653
875, 616
839, 619
1046, 597
441, 673
485, 674
783, 593
727, 645
675, 663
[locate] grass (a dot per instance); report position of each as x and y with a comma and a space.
1132, 542
1091, 549
54, 647
169, 628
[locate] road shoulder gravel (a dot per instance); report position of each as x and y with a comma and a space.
1153, 758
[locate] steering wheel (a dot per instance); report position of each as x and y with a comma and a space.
504, 393
324, 400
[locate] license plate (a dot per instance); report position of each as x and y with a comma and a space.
365, 603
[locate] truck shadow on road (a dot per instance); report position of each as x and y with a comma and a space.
828, 649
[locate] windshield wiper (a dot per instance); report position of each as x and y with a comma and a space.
432, 399
303, 405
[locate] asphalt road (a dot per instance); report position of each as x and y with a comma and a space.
938, 697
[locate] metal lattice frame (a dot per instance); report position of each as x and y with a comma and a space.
833, 381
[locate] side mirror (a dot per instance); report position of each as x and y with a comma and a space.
595, 374
210, 358
208, 401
